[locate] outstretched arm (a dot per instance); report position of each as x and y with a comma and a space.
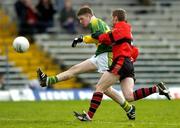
89, 40
105, 39
111, 37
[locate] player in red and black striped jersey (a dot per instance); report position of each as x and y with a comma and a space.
120, 39
122, 68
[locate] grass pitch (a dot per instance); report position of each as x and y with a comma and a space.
59, 114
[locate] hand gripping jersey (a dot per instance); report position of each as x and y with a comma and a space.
120, 39
97, 25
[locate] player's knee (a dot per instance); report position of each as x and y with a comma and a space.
109, 90
96, 86
99, 89
129, 97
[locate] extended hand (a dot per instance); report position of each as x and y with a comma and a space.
77, 40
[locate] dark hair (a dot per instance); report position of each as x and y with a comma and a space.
121, 14
85, 10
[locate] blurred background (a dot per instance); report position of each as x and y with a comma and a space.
51, 26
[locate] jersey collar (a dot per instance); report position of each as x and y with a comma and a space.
92, 18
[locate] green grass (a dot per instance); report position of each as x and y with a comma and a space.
58, 114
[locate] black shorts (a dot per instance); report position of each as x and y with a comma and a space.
123, 67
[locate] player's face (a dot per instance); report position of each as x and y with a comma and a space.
84, 19
114, 19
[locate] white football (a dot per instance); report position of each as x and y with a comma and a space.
20, 44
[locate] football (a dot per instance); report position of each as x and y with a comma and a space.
21, 44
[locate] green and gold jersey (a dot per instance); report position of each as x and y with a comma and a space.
97, 25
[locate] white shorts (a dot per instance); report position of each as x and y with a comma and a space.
102, 61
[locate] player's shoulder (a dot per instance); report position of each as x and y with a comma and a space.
96, 20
